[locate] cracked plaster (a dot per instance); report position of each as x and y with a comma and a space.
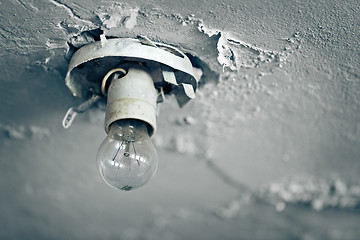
278, 107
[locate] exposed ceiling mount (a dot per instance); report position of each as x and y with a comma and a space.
91, 62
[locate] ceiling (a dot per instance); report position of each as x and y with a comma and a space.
269, 149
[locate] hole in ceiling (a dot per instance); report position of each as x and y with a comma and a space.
207, 74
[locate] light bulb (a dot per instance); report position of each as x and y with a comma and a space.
127, 159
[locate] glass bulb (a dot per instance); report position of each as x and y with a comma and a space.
127, 159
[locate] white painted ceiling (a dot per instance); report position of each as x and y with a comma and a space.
269, 149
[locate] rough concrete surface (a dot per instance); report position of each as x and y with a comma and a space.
269, 149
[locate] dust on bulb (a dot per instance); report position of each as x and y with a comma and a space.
127, 159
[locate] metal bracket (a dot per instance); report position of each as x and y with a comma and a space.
92, 62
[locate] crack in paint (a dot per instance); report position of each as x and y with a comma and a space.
70, 11
24, 6
225, 177
21, 3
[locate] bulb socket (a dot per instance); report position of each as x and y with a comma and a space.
132, 96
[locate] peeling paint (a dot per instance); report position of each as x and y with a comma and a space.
234, 53
314, 192
82, 38
23, 132
117, 16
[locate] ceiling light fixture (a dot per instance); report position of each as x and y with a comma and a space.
133, 76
